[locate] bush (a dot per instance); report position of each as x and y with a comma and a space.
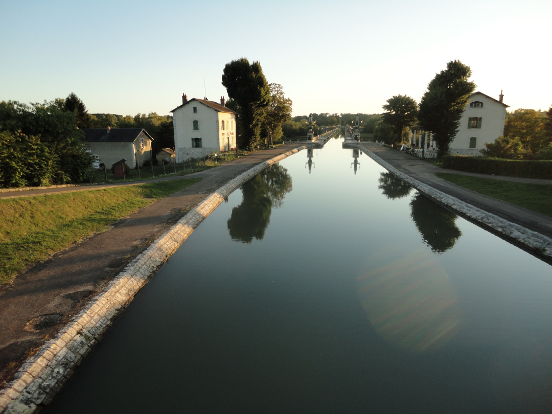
504, 147
497, 166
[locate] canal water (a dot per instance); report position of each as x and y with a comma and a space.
326, 285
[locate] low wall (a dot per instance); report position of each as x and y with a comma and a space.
42, 375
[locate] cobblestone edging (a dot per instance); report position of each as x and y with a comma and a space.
42, 375
532, 240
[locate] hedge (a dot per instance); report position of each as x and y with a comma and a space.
497, 166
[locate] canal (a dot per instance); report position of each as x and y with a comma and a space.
326, 285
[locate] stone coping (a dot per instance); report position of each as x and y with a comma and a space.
43, 374
528, 239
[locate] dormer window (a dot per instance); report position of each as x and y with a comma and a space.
476, 104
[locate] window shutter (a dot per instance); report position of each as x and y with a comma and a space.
469, 123
479, 121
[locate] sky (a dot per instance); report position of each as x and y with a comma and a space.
128, 57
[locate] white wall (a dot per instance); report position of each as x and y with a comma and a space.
493, 116
213, 139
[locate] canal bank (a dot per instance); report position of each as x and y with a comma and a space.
527, 229
84, 339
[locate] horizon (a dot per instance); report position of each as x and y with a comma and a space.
139, 58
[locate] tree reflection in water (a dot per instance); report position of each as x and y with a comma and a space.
435, 223
267, 189
393, 187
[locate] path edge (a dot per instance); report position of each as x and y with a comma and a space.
42, 375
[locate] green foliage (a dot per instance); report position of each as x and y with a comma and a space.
443, 103
74, 104
384, 133
495, 166
50, 148
401, 113
504, 147
545, 153
276, 113
247, 86
528, 126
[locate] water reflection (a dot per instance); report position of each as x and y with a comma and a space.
411, 301
393, 187
310, 163
355, 163
435, 223
250, 219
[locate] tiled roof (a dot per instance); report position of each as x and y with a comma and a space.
217, 107
167, 150
496, 100
114, 135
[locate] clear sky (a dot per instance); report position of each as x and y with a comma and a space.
128, 57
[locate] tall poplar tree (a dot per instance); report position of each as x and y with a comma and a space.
444, 102
247, 86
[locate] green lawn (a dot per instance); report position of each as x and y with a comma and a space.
535, 197
34, 228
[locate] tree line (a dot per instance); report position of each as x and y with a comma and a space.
527, 133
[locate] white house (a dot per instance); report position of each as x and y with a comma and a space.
112, 145
482, 122
202, 127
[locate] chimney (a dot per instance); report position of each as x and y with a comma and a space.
500, 97
184, 98
222, 101
108, 129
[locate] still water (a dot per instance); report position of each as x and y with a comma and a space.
326, 285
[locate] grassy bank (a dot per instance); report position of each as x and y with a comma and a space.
535, 197
34, 228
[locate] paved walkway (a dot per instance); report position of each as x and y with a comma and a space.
46, 296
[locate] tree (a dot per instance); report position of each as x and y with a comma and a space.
528, 126
246, 84
504, 147
443, 103
74, 104
278, 112
401, 113
48, 134
384, 133
548, 125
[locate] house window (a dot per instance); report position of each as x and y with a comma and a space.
196, 124
222, 126
195, 109
473, 142
474, 122
196, 142
476, 104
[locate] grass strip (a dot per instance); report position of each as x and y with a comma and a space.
534, 197
34, 228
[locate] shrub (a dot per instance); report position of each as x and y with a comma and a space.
496, 166
504, 147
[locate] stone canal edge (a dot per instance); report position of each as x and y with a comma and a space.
532, 241
42, 375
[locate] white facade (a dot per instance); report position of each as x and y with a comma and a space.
482, 122
202, 127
